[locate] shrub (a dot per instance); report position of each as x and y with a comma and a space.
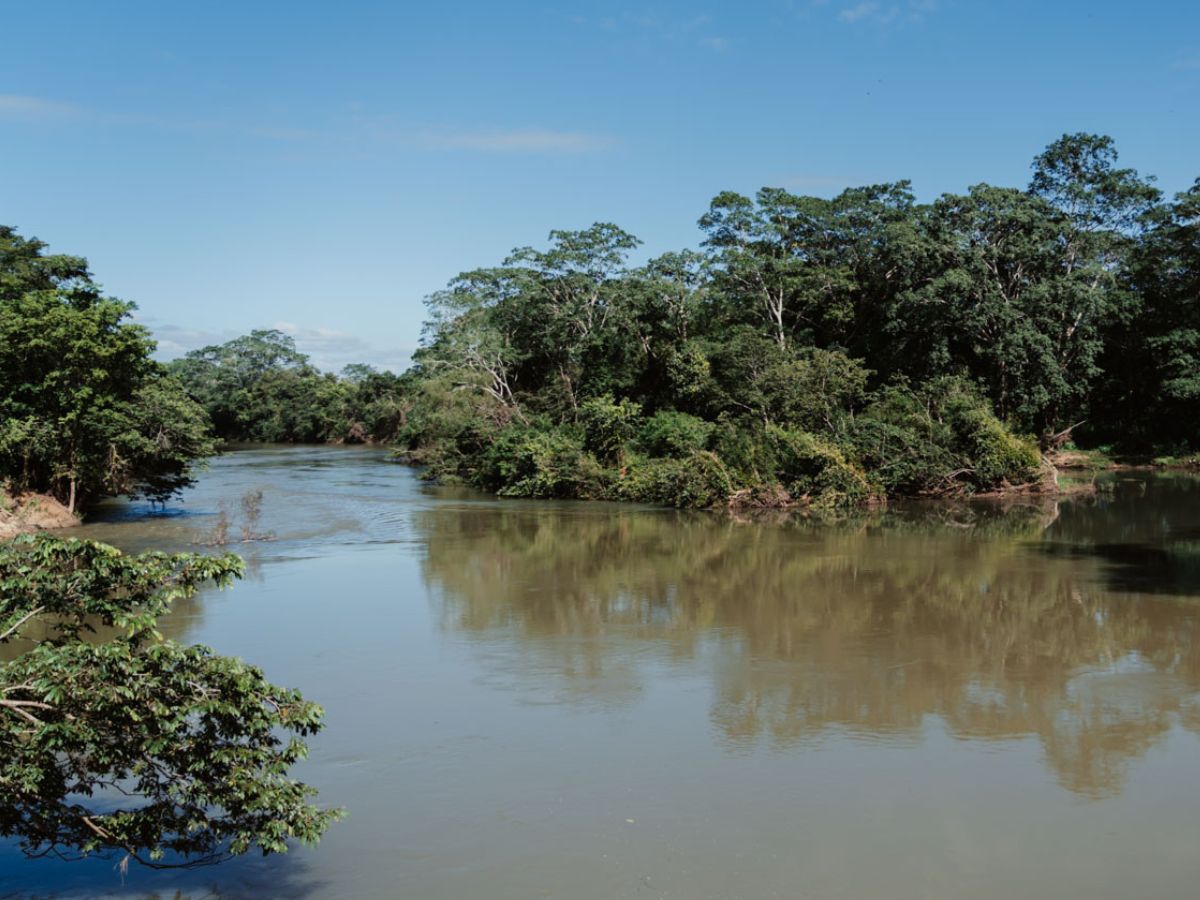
998, 456
742, 446
815, 468
674, 434
902, 460
697, 481
523, 462
815, 389
942, 437
608, 426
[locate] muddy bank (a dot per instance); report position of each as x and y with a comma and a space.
1092, 460
26, 513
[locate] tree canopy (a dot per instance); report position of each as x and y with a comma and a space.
84, 410
259, 387
896, 346
114, 740
845, 348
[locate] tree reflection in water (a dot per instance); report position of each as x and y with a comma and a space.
974, 615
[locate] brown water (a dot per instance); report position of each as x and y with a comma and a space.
598, 701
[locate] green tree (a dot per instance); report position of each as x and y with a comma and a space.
812, 270
759, 269
1152, 392
1012, 299
259, 387
113, 740
608, 426
84, 411
223, 377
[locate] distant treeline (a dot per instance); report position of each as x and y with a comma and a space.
813, 350
86, 412
827, 350
261, 388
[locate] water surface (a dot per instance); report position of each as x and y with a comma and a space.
578, 700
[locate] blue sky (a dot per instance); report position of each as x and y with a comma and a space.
321, 167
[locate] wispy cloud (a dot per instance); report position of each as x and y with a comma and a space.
516, 141
859, 12
329, 349
872, 12
176, 340
361, 130
27, 108
650, 22
18, 106
1187, 64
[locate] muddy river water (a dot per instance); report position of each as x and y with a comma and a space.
574, 700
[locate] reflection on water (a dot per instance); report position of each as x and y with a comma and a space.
587, 700
866, 627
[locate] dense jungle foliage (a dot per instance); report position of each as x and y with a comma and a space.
826, 350
86, 412
259, 387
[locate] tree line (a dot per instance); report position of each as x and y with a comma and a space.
814, 350
86, 412
826, 350
260, 388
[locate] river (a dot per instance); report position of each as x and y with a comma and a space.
582, 700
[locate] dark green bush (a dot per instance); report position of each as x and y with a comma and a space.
608, 425
673, 434
815, 468
997, 456
697, 481
902, 460
523, 462
940, 438
741, 444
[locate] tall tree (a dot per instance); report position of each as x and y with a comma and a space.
1107, 209
84, 410
1153, 384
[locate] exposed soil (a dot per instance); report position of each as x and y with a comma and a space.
32, 512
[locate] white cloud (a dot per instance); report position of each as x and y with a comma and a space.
21, 106
329, 349
361, 130
176, 340
655, 24
859, 12
871, 12
534, 140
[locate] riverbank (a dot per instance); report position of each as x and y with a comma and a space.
926, 655
25, 513
1100, 461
